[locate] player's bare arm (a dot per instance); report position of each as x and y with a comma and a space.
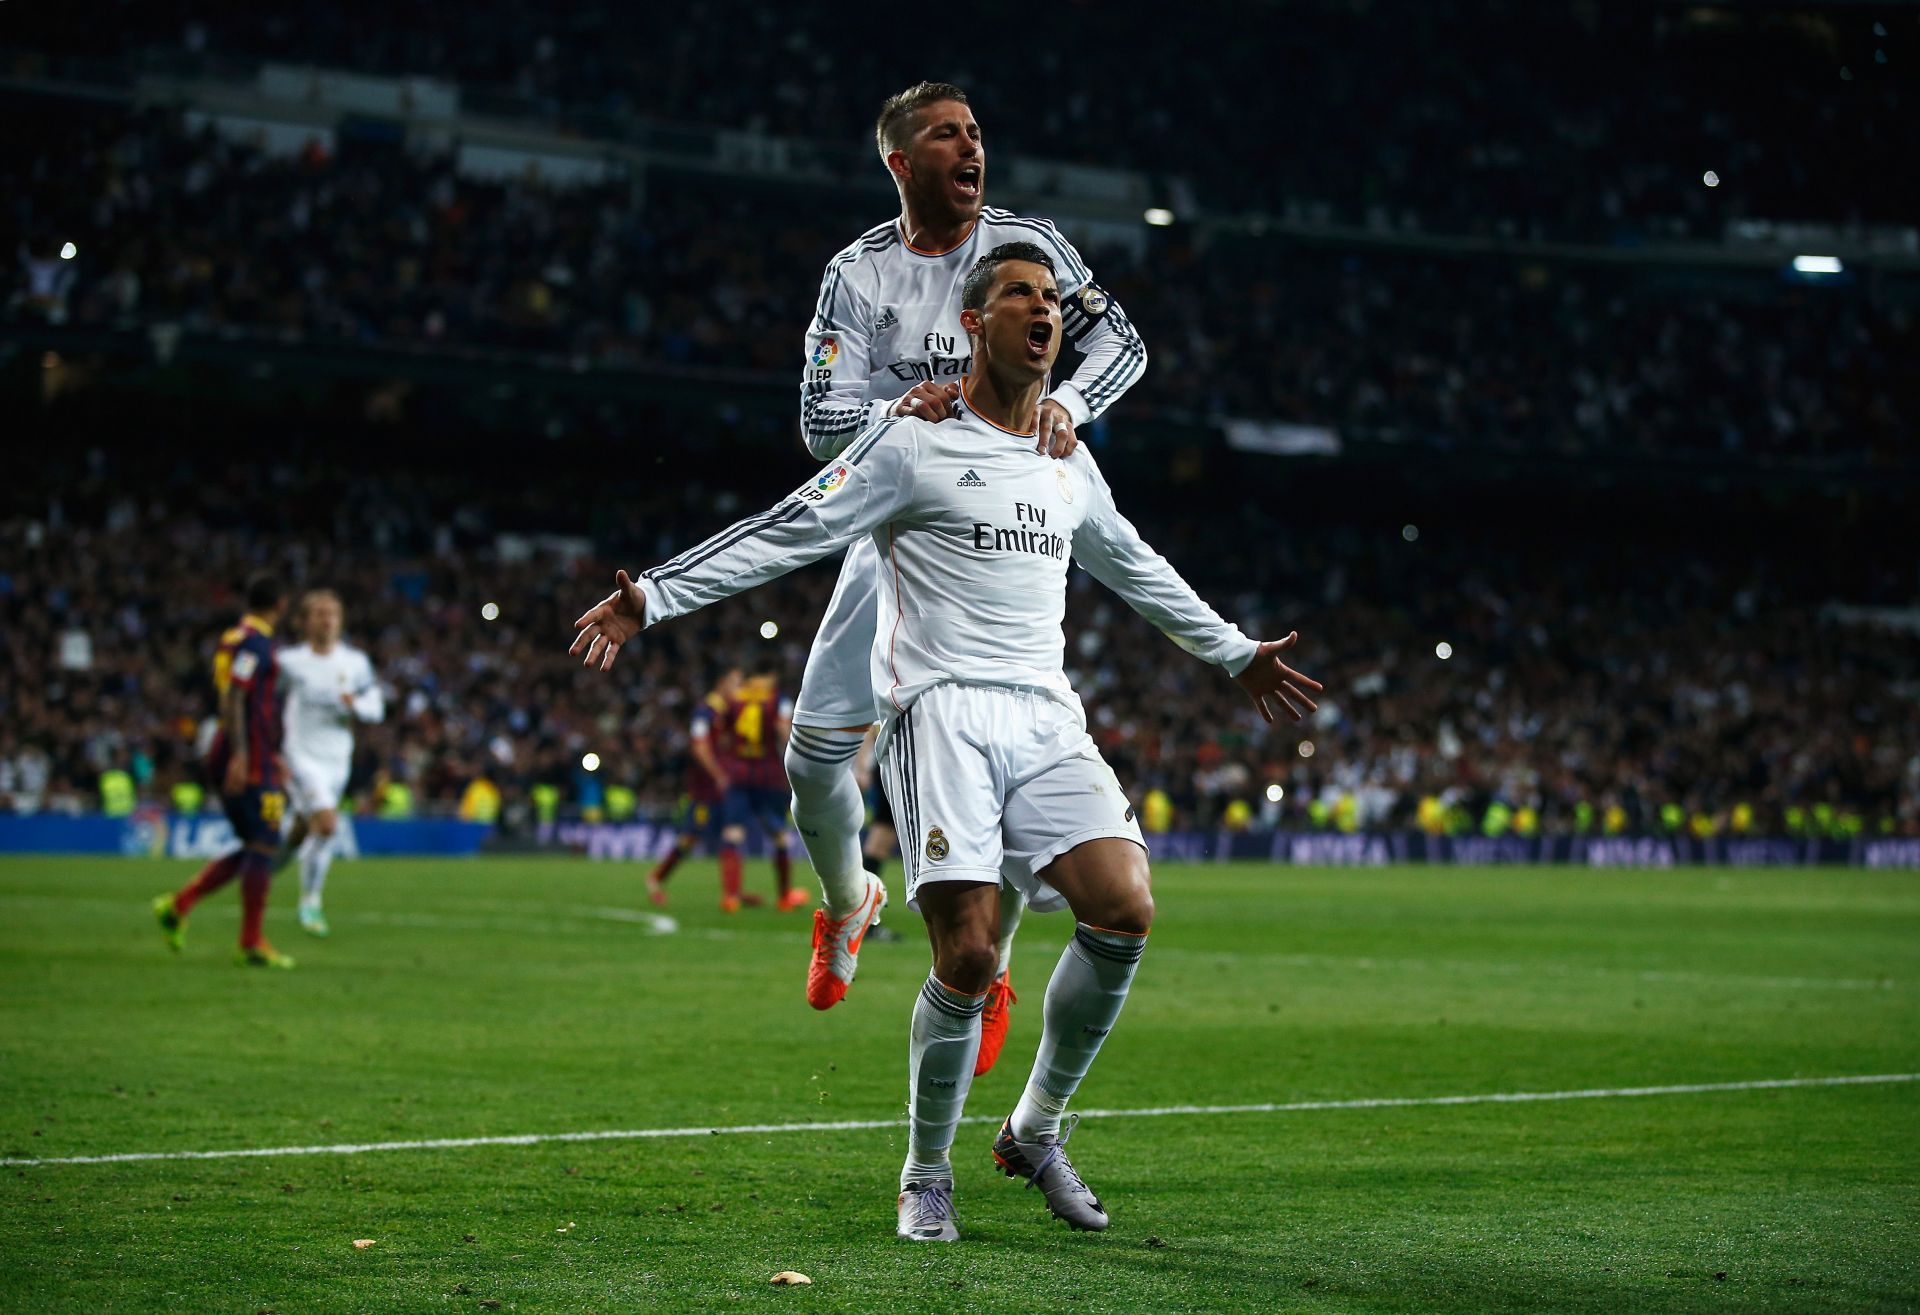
233, 718
1267, 681
702, 750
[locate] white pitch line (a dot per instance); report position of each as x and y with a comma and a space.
864, 1125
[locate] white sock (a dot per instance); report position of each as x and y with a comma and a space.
1083, 1001
946, 1041
316, 856
1012, 905
828, 812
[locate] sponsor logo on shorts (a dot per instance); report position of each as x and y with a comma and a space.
936, 845
825, 352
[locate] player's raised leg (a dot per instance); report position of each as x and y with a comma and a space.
830, 722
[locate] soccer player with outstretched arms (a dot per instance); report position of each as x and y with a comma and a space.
886, 341
983, 744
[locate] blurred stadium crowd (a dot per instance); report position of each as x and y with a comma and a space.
1586, 120
1610, 676
1626, 689
394, 248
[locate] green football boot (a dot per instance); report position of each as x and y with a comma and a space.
173, 925
262, 955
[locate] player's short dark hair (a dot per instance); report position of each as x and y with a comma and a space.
973, 293
895, 124
264, 591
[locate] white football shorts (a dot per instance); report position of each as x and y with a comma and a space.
314, 784
990, 784
837, 688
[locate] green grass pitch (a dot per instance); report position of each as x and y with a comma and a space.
507, 996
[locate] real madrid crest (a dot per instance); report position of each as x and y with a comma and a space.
936, 845
1093, 301
1066, 484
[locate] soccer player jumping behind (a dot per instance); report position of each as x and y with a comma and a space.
886, 340
983, 743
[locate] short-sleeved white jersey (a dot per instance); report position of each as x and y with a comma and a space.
319, 726
975, 530
888, 317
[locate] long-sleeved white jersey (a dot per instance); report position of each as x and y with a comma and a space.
889, 318
974, 530
318, 725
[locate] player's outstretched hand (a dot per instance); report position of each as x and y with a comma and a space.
1057, 437
928, 401
617, 618
1267, 679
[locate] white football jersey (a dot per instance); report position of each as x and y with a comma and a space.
889, 318
974, 530
319, 725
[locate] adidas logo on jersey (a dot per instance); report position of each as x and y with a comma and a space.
970, 480
885, 320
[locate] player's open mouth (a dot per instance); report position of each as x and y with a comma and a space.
967, 179
1039, 337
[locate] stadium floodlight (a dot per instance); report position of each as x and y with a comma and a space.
591, 762
68, 251
1159, 218
1710, 178
1275, 793
1306, 748
768, 629
1817, 265
489, 611
1443, 650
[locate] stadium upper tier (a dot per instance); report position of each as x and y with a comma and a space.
130, 220
1606, 653
1594, 121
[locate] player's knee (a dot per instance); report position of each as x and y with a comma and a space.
1130, 907
325, 823
804, 773
812, 778
733, 837
967, 963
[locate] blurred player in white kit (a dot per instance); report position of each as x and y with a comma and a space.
329, 685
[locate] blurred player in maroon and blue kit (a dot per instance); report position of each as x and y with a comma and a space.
750, 741
244, 766
706, 791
